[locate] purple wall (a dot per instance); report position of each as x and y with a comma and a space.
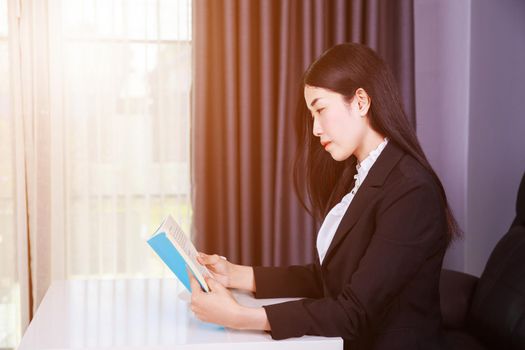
496, 124
470, 80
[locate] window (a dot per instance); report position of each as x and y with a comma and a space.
126, 72
110, 86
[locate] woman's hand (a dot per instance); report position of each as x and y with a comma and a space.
220, 268
217, 306
228, 274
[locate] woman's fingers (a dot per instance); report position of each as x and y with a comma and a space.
199, 260
206, 259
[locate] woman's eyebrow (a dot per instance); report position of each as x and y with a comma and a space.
315, 101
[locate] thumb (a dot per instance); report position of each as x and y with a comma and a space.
194, 284
214, 285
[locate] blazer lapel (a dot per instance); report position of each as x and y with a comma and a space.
366, 193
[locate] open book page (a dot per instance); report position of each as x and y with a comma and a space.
186, 248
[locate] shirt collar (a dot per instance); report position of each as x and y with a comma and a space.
364, 166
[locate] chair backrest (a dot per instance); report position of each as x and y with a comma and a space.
497, 312
520, 205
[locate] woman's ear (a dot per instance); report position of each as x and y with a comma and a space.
363, 101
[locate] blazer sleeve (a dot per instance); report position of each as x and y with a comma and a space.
409, 229
291, 281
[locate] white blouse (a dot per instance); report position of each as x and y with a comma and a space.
334, 217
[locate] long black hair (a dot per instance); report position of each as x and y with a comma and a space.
343, 69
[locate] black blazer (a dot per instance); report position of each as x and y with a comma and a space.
378, 286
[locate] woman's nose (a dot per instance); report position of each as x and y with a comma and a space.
317, 130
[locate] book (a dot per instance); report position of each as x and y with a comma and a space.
177, 251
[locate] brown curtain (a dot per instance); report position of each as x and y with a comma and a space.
249, 60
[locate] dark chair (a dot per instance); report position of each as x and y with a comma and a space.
489, 312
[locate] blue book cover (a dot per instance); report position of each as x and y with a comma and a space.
174, 247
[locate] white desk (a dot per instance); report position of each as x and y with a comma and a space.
141, 314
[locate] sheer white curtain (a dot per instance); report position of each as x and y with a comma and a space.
120, 92
10, 323
99, 103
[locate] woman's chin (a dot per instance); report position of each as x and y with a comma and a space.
338, 156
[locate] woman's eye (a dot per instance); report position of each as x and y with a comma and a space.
318, 111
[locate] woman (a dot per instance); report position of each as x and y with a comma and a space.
386, 226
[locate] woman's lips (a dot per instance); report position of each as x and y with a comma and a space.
326, 144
